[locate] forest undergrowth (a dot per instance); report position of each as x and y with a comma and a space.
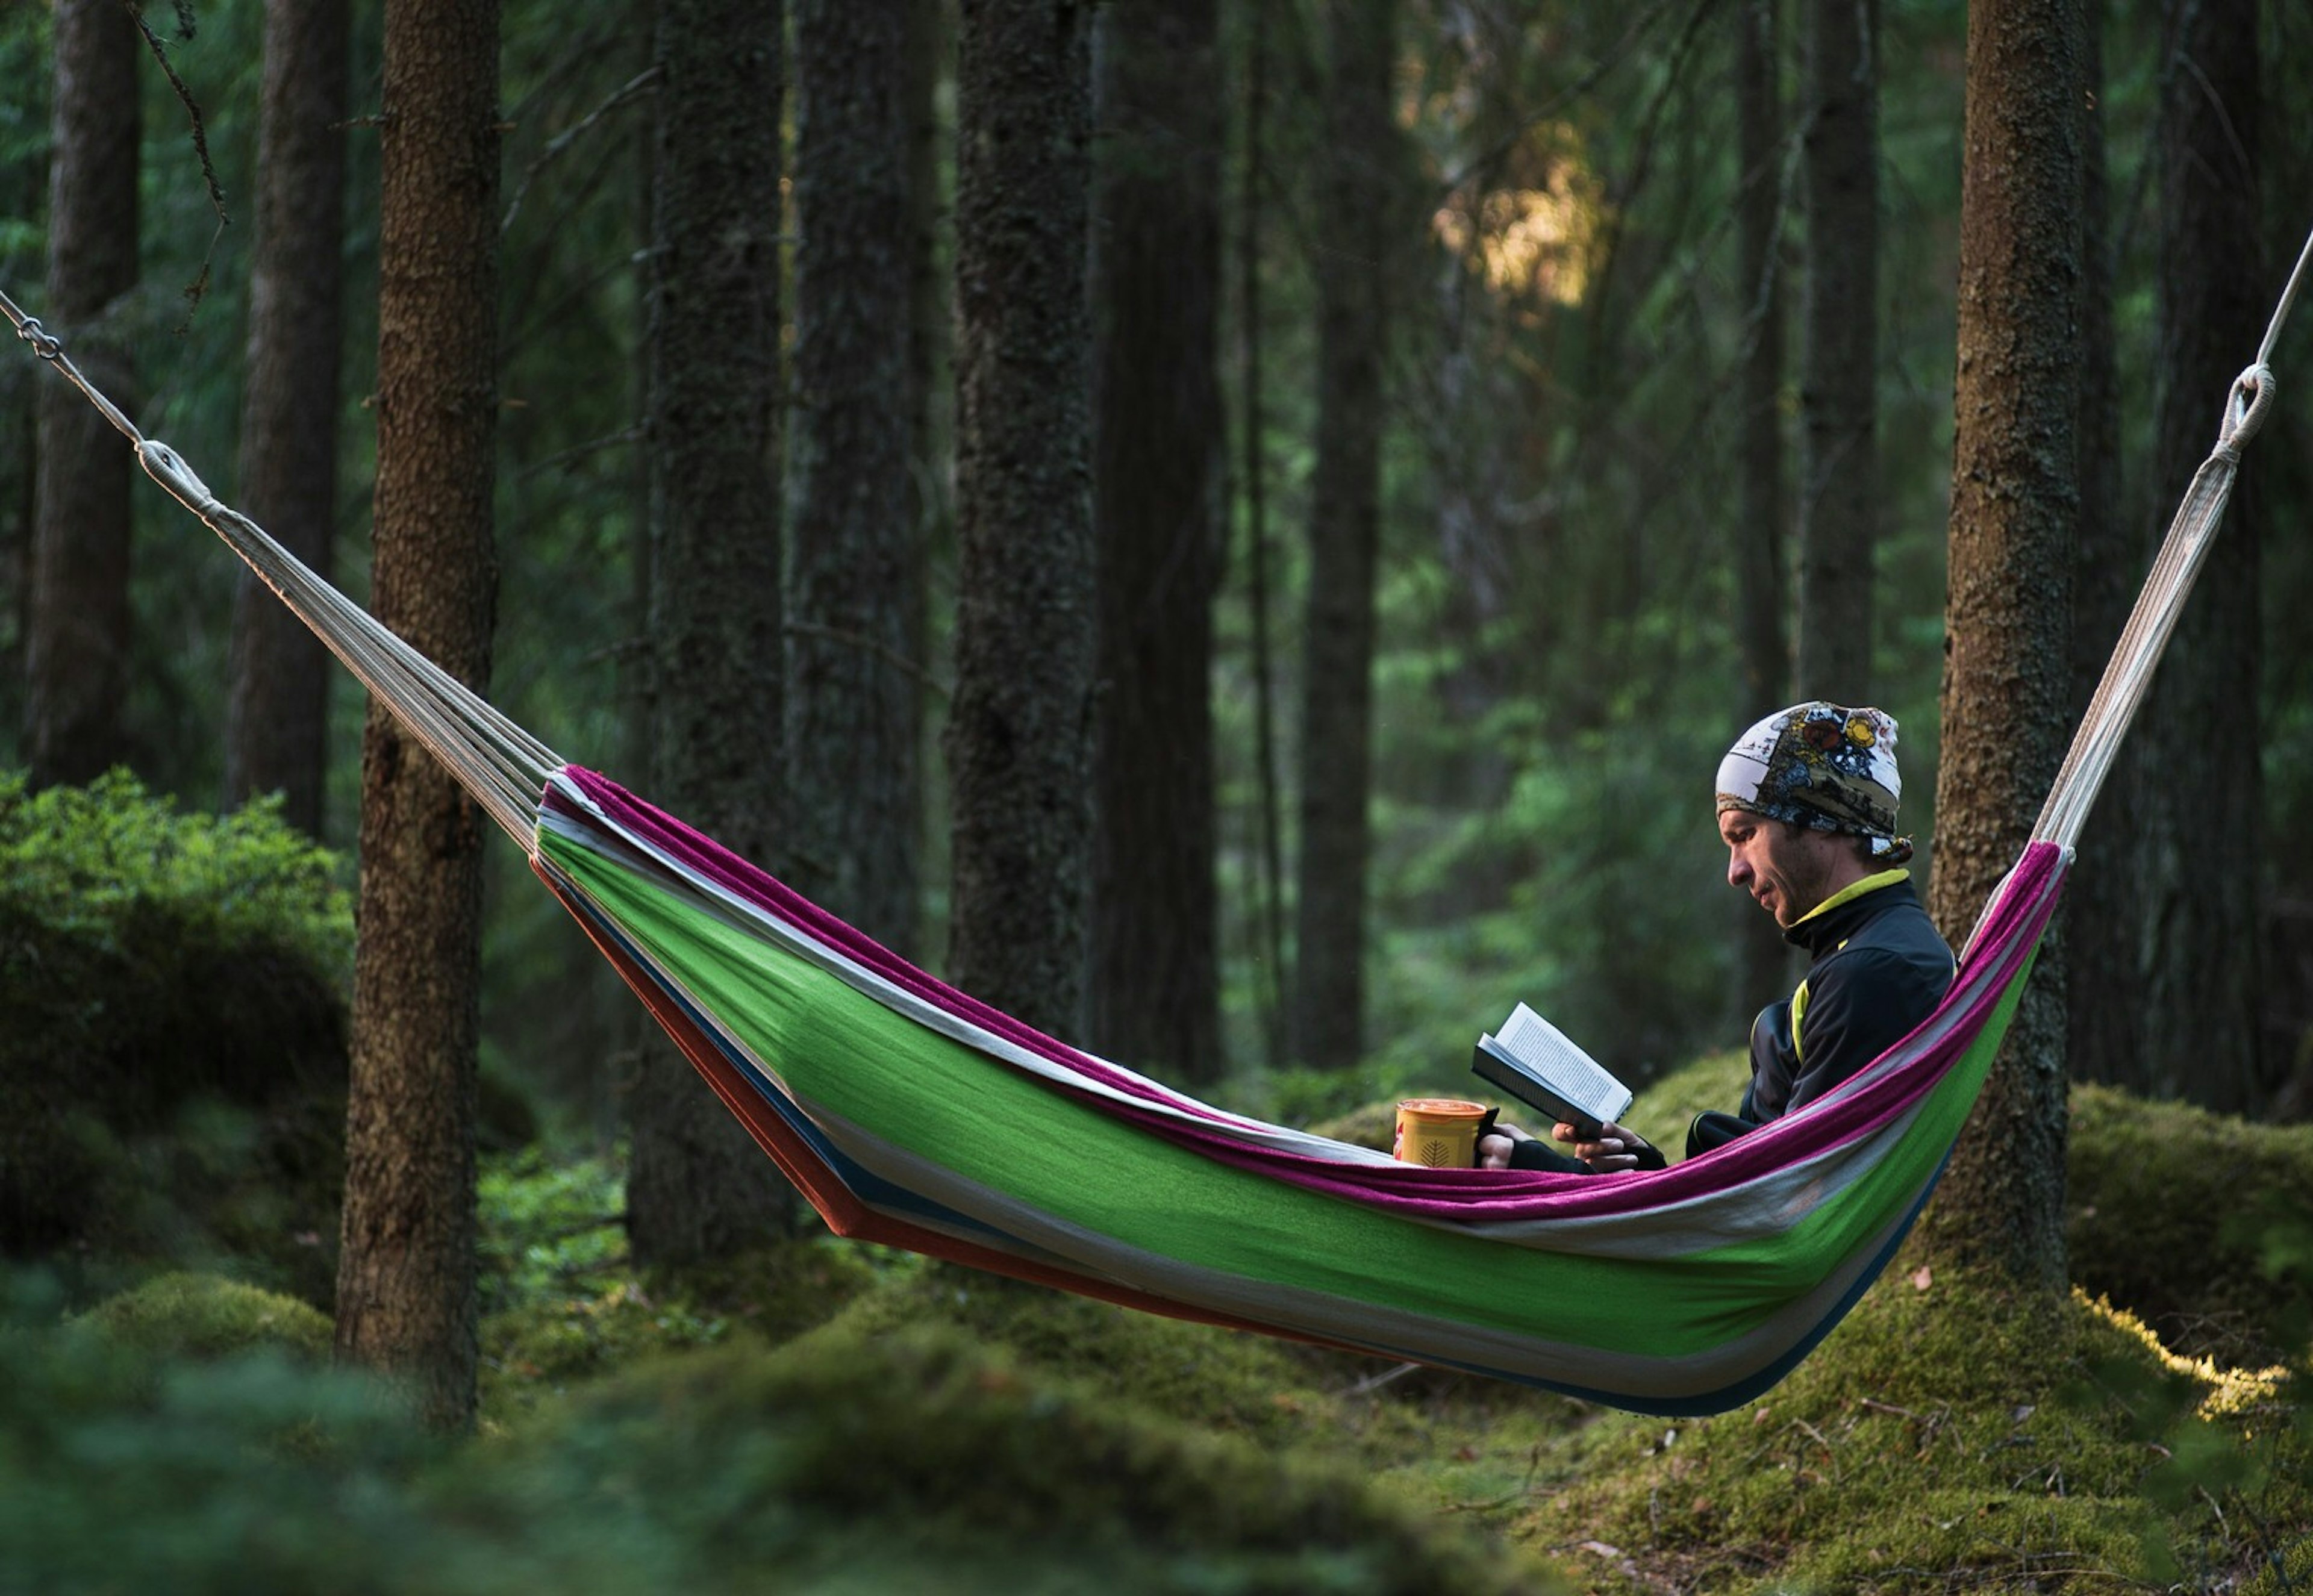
828, 1417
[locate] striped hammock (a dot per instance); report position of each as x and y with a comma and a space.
911, 1114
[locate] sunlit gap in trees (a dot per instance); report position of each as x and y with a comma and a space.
1528, 243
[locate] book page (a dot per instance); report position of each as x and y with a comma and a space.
1579, 1078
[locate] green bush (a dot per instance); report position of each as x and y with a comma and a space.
549, 1227
171, 1073
88, 862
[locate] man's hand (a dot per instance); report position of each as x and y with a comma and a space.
1495, 1146
1613, 1148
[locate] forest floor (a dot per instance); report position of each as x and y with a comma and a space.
831, 1417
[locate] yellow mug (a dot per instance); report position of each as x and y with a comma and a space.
1439, 1133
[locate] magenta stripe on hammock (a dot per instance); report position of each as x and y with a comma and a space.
1468, 1194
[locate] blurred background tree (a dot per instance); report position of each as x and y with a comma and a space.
697, 1188
1157, 504
77, 615
276, 716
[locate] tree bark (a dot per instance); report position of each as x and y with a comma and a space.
931, 430
1761, 543
406, 1277
2006, 697
1156, 978
1839, 467
697, 1187
2200, 812
1018, 739
77, 630
277, 714
1268, 915
1344, 538
24, 192
2103, 906
20, 457
852, 660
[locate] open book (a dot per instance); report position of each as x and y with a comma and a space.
1532, 1060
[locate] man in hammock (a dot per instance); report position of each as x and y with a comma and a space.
1807, 808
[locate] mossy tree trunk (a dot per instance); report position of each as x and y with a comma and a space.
406, 1276
1839, 462
1156, 978
1018, 739
697, 1187
1344, 538
2200, 807
2006, 697
76, 626
277, 714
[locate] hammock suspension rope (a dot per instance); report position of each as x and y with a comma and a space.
499, 763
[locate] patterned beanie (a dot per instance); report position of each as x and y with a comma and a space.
1821, 766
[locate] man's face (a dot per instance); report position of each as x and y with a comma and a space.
1788, 869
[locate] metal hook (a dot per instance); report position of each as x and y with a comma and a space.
45, 344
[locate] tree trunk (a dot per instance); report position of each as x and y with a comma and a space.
1018, 738
76, 633
24, 192
612, 1070
406, 1277
1156, 997
2006, 698
1268, 915
1269, 912
697, 1187
931, 432
852, 660
20, 455
2200, 816
276, 716
1839, 465
1762, 545
1344, 537
2102, 907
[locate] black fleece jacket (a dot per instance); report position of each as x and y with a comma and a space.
1878, 968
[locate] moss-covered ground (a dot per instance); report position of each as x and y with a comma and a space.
827, 1417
